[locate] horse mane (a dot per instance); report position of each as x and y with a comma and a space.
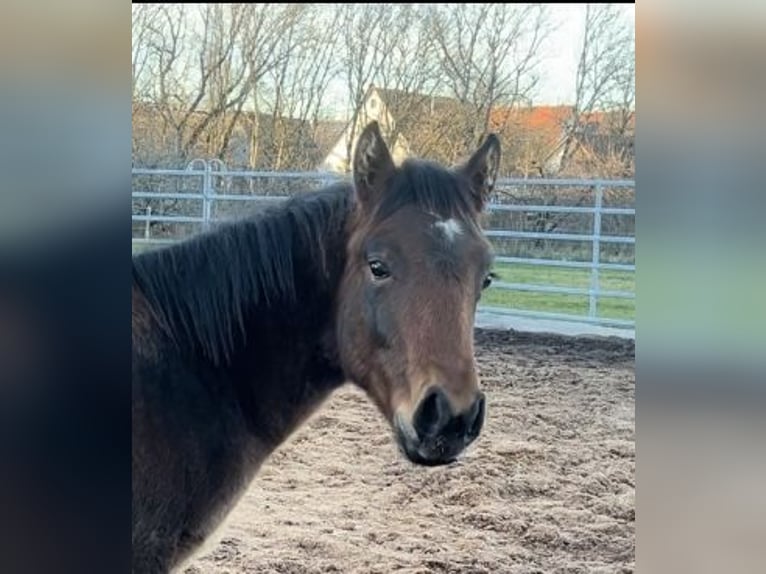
201, 289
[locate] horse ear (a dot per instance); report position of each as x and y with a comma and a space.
481, 170
372, 165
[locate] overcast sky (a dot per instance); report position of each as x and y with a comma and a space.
557, 74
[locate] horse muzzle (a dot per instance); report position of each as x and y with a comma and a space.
437, 435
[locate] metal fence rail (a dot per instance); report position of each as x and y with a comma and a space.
212, 185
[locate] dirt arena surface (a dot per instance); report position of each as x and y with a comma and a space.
548, 487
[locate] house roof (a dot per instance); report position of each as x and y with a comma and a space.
323, 134
409, 109
545, 122
416, 115
401, 101
606, 119
543, 118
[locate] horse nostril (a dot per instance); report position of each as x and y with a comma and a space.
431, 414
475, 417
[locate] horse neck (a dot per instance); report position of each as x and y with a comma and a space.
289, 363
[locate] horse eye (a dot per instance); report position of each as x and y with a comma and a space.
379, 270
488, 280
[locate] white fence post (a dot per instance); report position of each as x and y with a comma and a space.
147, 230
207, 191
596, 254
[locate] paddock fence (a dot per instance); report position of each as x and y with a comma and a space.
564, 248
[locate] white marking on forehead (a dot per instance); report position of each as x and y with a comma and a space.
450, 228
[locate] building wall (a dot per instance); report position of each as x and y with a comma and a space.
373, 109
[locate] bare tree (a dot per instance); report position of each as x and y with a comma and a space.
605, 79
605, 71
409, 71
204, 61
623, 109
294, 91
365, 27
141, 31
624, 99
158, 45
239, 50
489, 54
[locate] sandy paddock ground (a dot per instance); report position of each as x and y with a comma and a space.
548, 487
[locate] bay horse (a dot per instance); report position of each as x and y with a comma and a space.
241, 332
